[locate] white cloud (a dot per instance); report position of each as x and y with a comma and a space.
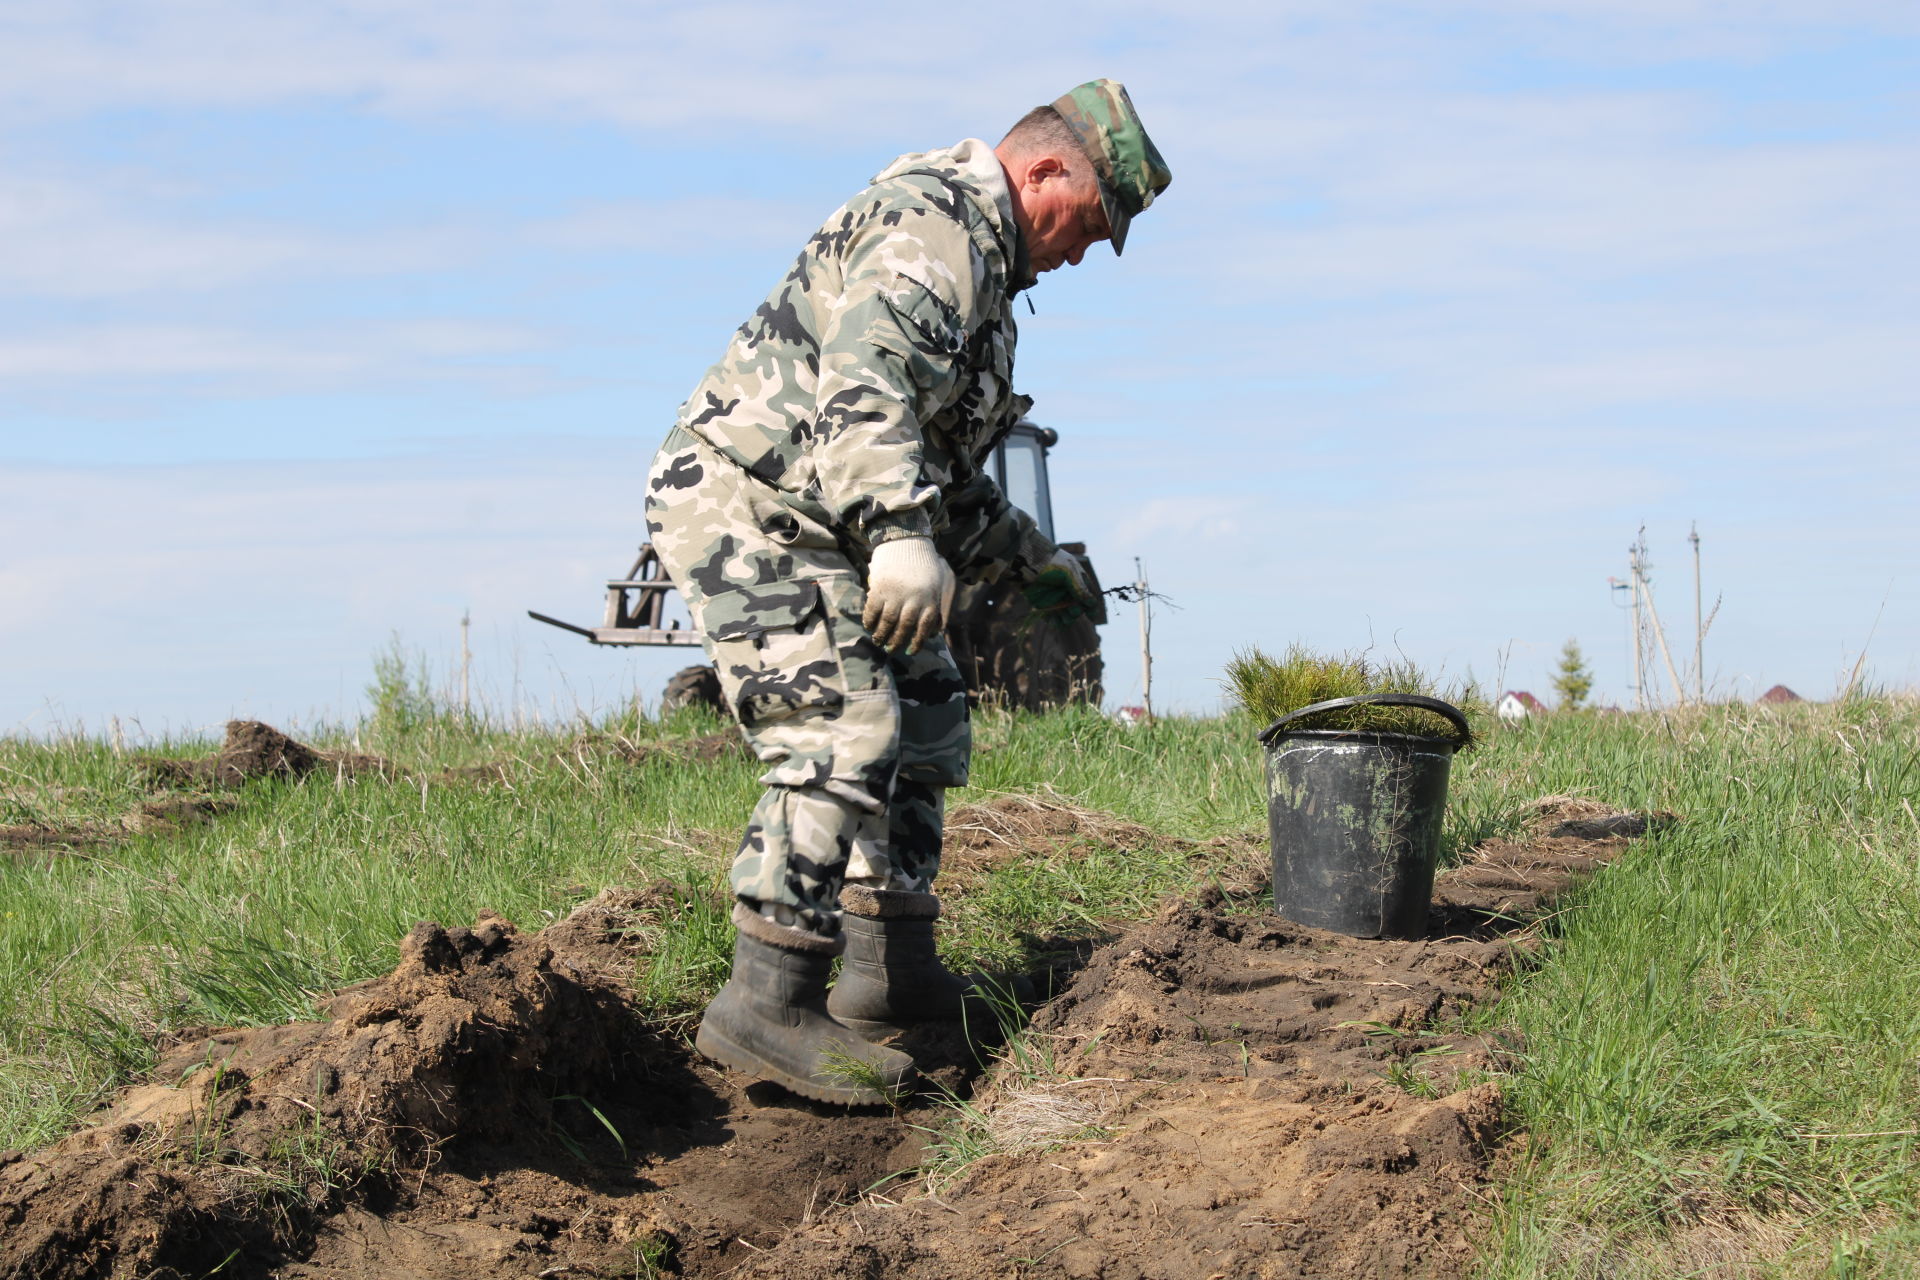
183, 594
74, 239
113, 235
673, 226
417, 349
785, 68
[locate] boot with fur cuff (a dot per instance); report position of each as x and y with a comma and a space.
770, 1021
892, 977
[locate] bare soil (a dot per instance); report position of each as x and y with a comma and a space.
1226, 1094
161, 812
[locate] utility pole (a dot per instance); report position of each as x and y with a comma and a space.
1614, 587
466, 664
1633, 580
1643, 595
1660, 639
1699, 628
1146, 639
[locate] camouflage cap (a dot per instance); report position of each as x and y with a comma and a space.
1124, 158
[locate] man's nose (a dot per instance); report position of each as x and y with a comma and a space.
1076, 253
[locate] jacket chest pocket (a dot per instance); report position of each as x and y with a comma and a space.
987, 395
773, 650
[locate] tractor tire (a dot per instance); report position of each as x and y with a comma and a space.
693, 687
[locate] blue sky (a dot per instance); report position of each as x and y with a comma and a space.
325, 322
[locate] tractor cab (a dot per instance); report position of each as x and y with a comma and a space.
1019, 466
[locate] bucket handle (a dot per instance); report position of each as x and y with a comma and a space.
1424, 703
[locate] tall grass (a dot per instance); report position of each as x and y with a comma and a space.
1722, 1072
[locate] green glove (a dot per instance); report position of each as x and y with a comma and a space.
1061, 591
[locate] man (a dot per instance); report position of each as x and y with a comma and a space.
815, 501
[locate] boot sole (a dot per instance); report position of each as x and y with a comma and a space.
978, 1029
715, 1045
869, 1029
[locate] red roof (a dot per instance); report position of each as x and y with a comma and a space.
1780, 693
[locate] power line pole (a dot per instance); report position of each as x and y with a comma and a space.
466, 663
1699, 627
1614, 587
1146, 641
1633, 580
1660, 641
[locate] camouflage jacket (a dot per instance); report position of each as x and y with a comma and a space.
870, 387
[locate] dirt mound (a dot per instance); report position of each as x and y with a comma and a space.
161, 813
1232, 1095
711, 746
173, 812
1265, 1100
78, 835
980, 837
473, 1034
493, 1101
255, 750
252, 749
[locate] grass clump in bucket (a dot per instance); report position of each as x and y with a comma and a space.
1273, 687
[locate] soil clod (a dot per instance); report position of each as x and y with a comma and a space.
252, 750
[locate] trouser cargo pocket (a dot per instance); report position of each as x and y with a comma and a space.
781, 672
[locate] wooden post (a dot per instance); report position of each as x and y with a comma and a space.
1146, 639
1699, 627
466, 664
1633, 585
1660, 636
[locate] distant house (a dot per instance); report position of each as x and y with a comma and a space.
1780, 693
1518, 704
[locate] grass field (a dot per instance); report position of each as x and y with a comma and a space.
1722, 1047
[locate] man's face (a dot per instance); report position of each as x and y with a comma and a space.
1058, 209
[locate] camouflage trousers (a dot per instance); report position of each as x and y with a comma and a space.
860, 744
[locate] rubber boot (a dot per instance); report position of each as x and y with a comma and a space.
770, 1020
892, 977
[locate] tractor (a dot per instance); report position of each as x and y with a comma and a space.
1009, 655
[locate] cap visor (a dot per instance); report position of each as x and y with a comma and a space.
1117, 220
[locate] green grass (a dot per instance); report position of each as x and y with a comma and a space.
1723, 1052
1722, 1047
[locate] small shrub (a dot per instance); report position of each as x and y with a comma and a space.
401, 693
1271, 688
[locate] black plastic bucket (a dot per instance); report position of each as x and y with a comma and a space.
1354, 819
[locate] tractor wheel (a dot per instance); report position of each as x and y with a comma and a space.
693, 687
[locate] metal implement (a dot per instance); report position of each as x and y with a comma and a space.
636, 608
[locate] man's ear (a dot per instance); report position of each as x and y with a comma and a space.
1042, 168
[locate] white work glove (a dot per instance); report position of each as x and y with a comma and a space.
909, 593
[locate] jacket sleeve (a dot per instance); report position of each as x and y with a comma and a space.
987, 537
892, 353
